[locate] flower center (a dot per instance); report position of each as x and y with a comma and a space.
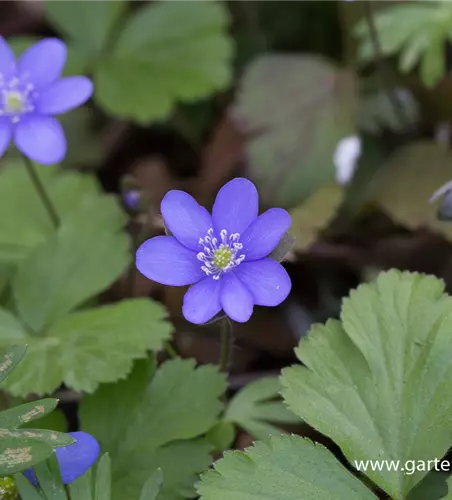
219, 257
14, 101
16, 97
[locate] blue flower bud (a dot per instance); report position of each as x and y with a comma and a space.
74, 460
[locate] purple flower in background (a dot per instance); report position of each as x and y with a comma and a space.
74, 460
224, 256
131, 198
31, 92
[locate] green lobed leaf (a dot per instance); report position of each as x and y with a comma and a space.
45, 287
167, 52
281, 468
14, 354
89, 25
416, 31
24, 222
17, 454
376, 382
294, 109
156, 425
255, 406
90, 347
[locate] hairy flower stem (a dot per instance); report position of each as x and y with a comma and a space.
227, 341
42, 193
384, 75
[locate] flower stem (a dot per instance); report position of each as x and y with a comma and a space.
227, 341
42, 193
172, 353
385, 76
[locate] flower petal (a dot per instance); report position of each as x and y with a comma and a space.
264, 234
185, 218
5, 135
164, 260
202, 301
236, 299
236, 206
77, 458
267, 280
7, 60
64, 95
43, 62
41, 138
74, 460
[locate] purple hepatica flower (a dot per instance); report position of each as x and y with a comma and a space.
224, 256
74, 460
31, 92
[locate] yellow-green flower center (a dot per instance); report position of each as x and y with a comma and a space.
14, 101
222, 257
220, 254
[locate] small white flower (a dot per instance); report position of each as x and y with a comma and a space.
345, 158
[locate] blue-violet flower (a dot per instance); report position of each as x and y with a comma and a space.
74, 460
224, 256
31, 93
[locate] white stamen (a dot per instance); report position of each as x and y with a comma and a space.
17, 96
220, 257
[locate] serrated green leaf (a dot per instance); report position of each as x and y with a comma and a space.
102, 487
82, 488
255, 406
167, 52
26, 490
417, 30
44, 287
24, 222
371, 380
295, 109
157, 426
17, 454
152, 486
90, 347
88, 24
282, 468
13, 354
15, 417
49, 479
95, 410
